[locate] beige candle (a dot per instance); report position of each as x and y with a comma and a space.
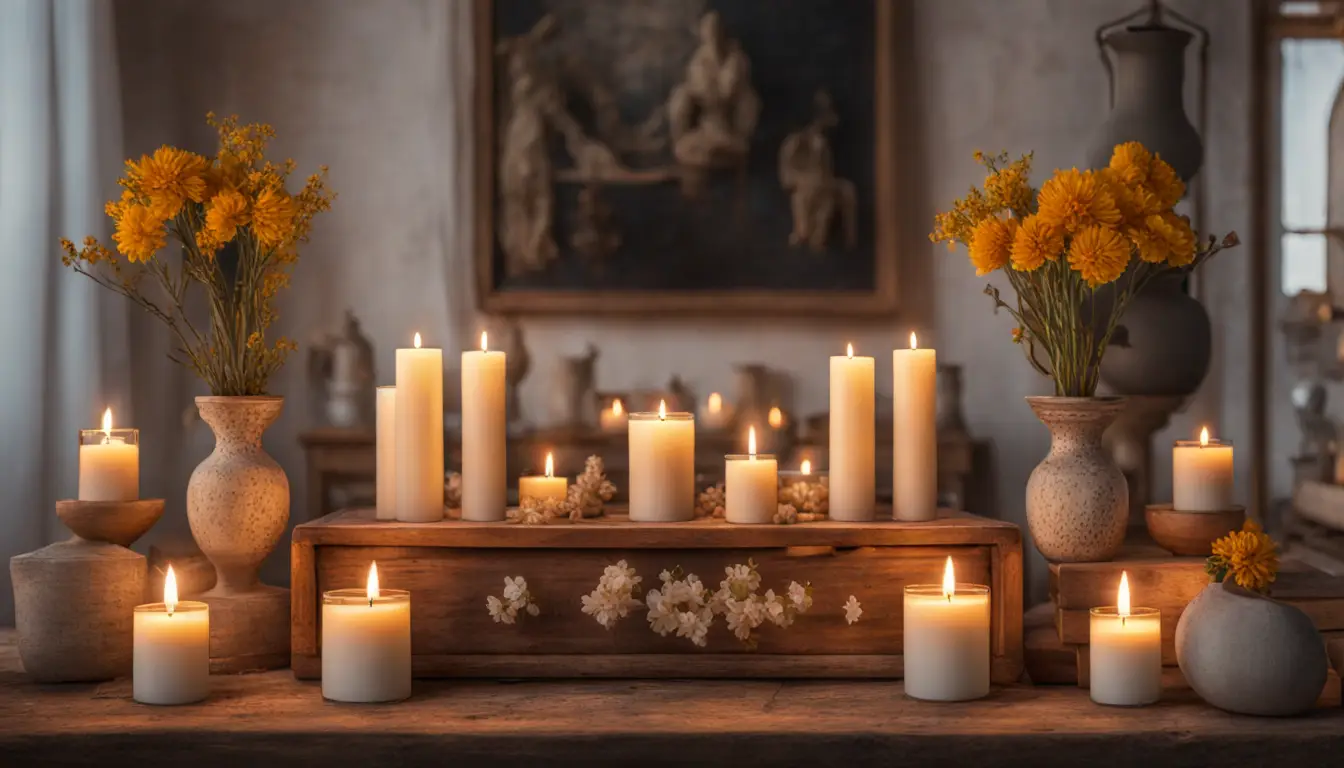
419, 435
109, 463
751, 485
171, 653
385, 477
1201, 474
853, 493
715, 415
947, 640
484, 430
1126, 652
366, 643
546, 486
662, 466
613, 419
914, 446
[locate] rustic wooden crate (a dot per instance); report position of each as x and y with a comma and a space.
451, 567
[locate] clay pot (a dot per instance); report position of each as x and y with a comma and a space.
115, 522
1190, 533
1246, 653
1077, 498
238, 498
1162, 345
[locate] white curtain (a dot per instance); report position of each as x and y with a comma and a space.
64, 350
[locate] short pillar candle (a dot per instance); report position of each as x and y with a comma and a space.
385, 471
109, 463
662, 466
947, 640
546, 486
171, 656
1125, 650
366, 643
853, 489
751, 485
1201, 474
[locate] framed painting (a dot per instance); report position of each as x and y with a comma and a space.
685, 156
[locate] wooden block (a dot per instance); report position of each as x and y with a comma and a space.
1047, 660
1330, 697
450, 568
1075, 628
1154, 581
1321, 503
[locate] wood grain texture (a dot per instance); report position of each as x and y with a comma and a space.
1047, 660
1156, 580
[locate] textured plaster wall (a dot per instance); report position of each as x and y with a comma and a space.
379, 91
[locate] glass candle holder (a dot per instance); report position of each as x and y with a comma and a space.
750, 487
1201, 476
171, 655
1125, 656
947, 642
662, 466
366, 645
109, 464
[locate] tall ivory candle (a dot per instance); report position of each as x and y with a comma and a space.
914, 444
751, 485
662, 466
385, 477
947, 640
171, 653
109, 463
546, 486
1201, 474
1126, 652
853, 493
366, 643
484, 465
419, 435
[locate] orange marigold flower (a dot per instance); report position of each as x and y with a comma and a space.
1073, 200
1177, 235
1164, 183
140, 233
169, 178
1035, 243
224, 214
1249, 557
1099, 254
273, 217
1130, 162
991, 244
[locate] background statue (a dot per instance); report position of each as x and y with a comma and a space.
817, 197
340, 366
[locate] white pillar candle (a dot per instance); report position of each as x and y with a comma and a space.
947, 640
1201, 474
171, 656
715, 415
419, 435
613, 419
1125, 646
546, 486
109, 463
484, 460
662, 466
853, 492
385, 478
366, 643
914, 444
751, 485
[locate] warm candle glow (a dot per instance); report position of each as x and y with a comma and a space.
1122, 598
751, 441
849, 350
776, 418
550, 465
372, 588
107, 422
715, 402
170, 591
616, 407
806, 467
484, 346
417, 339
914, 342
949, 580
662, 409
1204, 437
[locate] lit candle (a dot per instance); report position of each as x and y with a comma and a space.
853, 493
171, 660
109, 463
715, 415
662, 466
914, 446
366, 643
1201, 474
484, 461
419, 435
1126, 652
805, 467
947, 640
613, 419
546, 486
385, 477
751, 485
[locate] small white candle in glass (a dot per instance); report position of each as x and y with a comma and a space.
1126, 652
1201, 474
662, 466
171, 656
109, 463
751, 485
366, 643
546, 486
947, 640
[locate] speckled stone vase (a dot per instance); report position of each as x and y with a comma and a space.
1077, 498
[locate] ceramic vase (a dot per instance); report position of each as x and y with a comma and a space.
1163, 343
1077, 498
1246, 653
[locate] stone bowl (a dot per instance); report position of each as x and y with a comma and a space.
1191, 533
114, 522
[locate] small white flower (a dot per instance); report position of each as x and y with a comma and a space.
514, 588
533, 610
852, 610
799, 596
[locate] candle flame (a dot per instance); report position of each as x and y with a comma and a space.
616, 407
1122, 598
806, 467
662, 409
776, 418
484, 346
1204, 437
373, 581
849, 350
170, 591
715, 402
107, 425
751, 441
417, 339
550, 465
914, 342
949, 580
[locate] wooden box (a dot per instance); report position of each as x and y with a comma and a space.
451, 567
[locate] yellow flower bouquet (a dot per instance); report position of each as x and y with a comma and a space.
1075, 252
238, 229
1249, 558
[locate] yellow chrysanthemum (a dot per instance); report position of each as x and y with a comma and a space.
1177, 235
1099, 254
992, 244
1249, 557
226, 212
169, 178
1152, 247
1130, 162
1035, 243
1164, 183
139, 234
1073, 200
273, 217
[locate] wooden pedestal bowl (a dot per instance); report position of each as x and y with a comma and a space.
115, 522
1191, 533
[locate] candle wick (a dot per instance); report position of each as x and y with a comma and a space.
370, 602
949, 597
1123, 619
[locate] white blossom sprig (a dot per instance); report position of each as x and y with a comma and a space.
517, 600
853, 610
680, 605
617, 592
744, 608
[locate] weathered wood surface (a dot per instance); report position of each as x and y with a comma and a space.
272, 719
